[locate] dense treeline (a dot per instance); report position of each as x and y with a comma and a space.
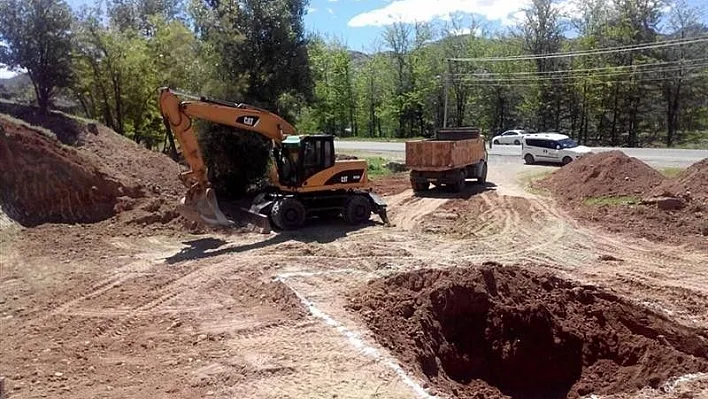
657, 94
110, 60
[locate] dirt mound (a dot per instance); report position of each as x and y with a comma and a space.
690, 184
506, 332
695, 178
45, 181
122, 157
67, 130
603, 174
594, 188
42, 181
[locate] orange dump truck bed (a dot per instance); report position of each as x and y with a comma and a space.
449, 160
439, 155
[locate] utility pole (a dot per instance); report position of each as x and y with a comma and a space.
446, 86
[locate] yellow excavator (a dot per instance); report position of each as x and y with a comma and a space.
305, 177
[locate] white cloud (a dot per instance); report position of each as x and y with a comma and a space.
333, 1
310, 10
410, 11
331, 11
466, 31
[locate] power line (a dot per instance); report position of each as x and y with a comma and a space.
576, 76
638, 81
598, 69
607, 50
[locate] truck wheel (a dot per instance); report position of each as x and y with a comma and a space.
567, 160
482, 179
517, 142
528, 158
420, 186
288, 214
459, 186
357, 210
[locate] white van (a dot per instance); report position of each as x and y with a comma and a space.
551, 147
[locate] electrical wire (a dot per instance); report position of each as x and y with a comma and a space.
598, 69
580, 75
637, 81
607, 50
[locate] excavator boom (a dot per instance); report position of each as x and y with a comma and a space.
200, 203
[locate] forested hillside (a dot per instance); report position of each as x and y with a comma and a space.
633, 74
612, 72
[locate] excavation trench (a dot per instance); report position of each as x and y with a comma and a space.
507, 332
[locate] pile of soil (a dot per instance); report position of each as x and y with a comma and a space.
82, 177
69, 131
602, 174
690, 184
497, 332
662, 210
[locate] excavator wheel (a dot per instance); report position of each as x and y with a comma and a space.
357, 210
288, 213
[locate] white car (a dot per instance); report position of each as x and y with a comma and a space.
551, 147
509, 137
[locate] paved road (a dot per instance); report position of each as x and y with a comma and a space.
656, 157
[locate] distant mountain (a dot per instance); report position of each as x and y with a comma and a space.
15, 85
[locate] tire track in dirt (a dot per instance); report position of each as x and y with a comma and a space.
119, 323
413, 210
265, 354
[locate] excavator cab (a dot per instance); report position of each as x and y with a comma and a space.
304, 156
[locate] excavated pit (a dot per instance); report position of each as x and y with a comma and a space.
507, 332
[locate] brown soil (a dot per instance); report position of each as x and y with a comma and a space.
67, 130
106, 310
691, 184
498, 331
82, 350
43, 180
391, 184
477, 216
155, 173
615, 174
603, 174
686, 226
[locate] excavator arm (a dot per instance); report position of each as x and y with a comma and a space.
200, 203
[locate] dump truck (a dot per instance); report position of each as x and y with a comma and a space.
447, 160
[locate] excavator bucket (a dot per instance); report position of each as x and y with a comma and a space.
256, 219
202, 206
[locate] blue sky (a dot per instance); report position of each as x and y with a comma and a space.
358, 23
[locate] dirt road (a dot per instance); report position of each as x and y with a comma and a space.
87, 315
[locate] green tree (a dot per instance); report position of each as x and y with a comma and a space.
333, 107
262, 48
119, 68
262, 60
373, 84
37, 36
542, 35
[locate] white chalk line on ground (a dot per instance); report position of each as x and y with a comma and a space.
673, 383
354, 339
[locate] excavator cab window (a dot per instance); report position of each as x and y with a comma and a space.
318, 154
290, 162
